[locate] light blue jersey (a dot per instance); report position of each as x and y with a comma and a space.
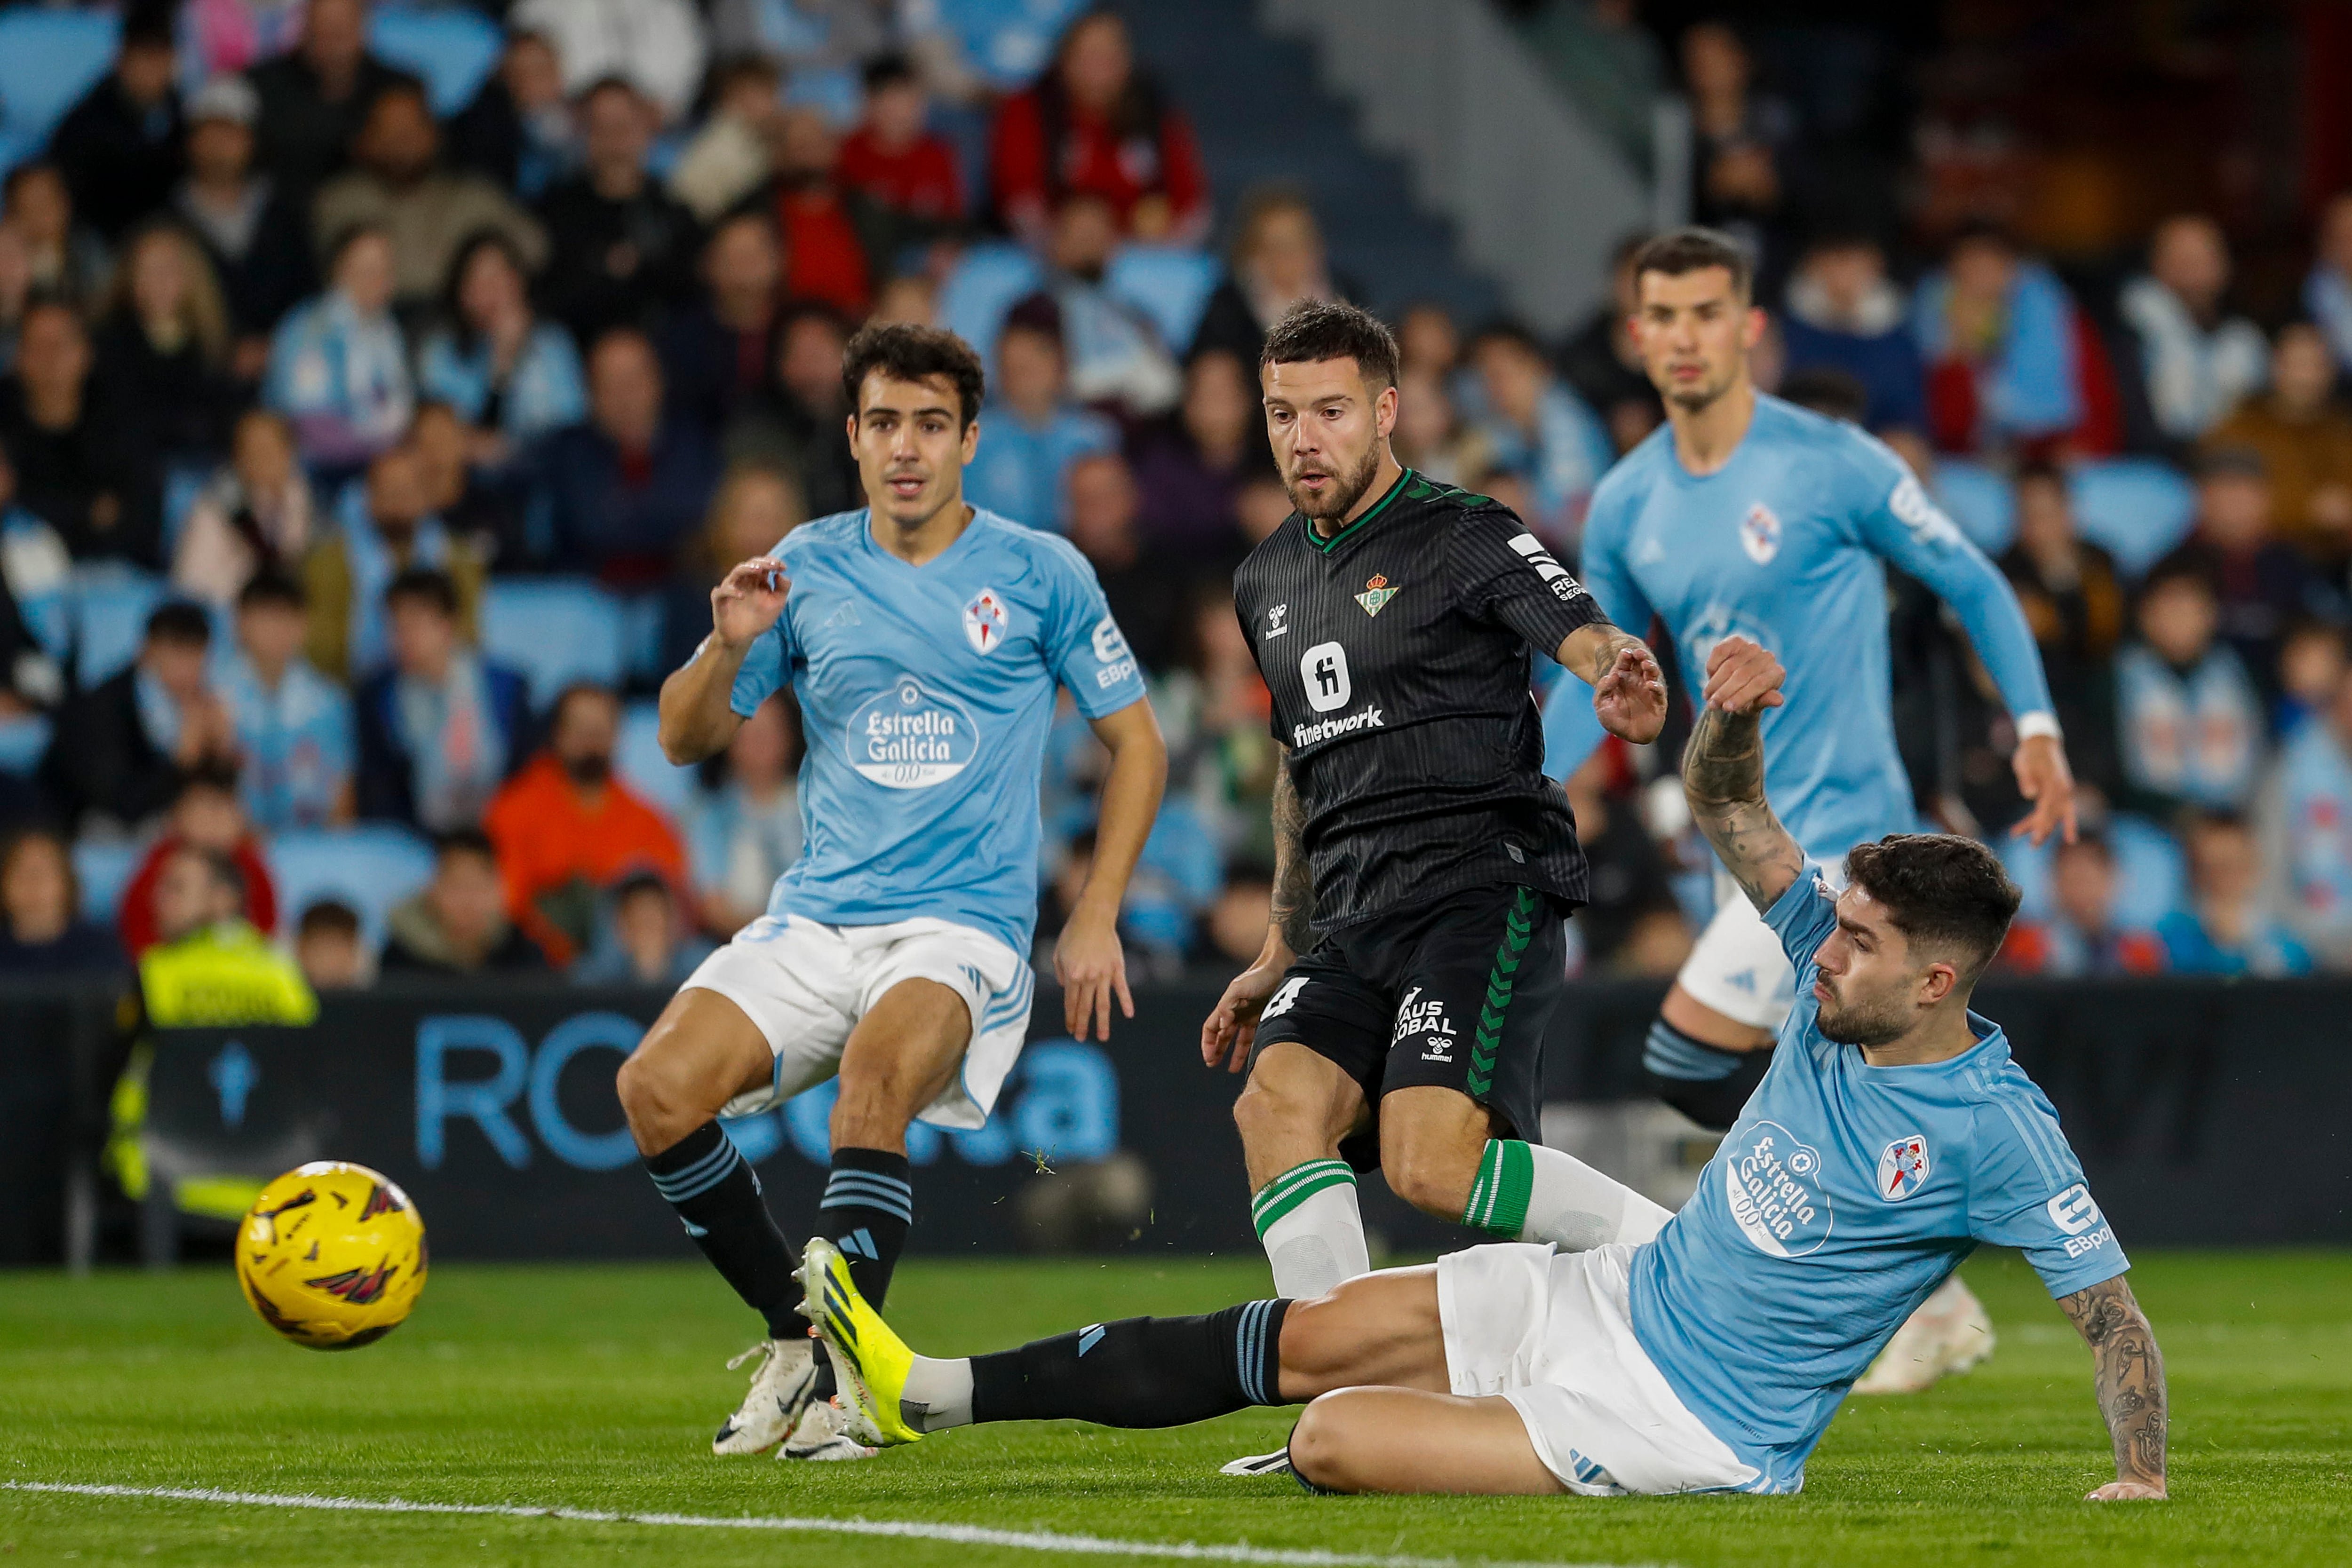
1843, 1195
926, 692
1788, 544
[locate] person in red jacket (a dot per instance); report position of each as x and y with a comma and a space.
1094, 125
900, 164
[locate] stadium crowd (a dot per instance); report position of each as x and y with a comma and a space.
368, 452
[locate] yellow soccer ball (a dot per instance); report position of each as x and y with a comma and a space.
333, 1255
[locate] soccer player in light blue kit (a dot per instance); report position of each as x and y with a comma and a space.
1745, 514
926, 641
1891, 1136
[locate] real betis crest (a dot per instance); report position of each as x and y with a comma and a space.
1376, 595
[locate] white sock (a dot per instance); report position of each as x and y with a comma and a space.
938, 1394
1525, 1192
1313, 1231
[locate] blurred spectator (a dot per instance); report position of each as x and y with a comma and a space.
1629, 873
715, 350
1277, 261
518, 132
2226, 930
1844, 312
2327, 288
1740, 177
502, 369
328, 949
1430, 436
642, 941
1140, 586
620, 249
2073, 600
254, 235
76, 466
757, 505
2260, 584
256, 514
293, 725
442, 727
1030, 432
2188, 719
2196, 363
1611, 65
207, 816
42, 932
1212, 709
1428, 343
2307, 829
120, 747
727, 160
820, 43
1263, 504
119, 148
2081, 940
2303, 435
656, 46
894, 157
566, 829
2012, 360
457, 925
15, 291
210, 964
338, 365
2313, 657
65, 260
1188, 468
625, 490
745, 832
1536, 428
1601, 362
480, 508
909, 298
1096, 124
396, 184
1233, 929
1114, 352
36, 606
798, 422
162, 347
832, 234
383, 528
314, 98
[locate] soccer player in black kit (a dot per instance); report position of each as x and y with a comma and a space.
1424, 864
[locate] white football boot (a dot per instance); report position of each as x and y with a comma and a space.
1949, 1335
823, 1435
782, 1386
1277, 1463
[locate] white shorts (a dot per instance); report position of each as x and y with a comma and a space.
1552, 1332
806, 985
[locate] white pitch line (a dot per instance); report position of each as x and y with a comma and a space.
918, 1530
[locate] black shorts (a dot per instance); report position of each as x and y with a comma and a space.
1456, 993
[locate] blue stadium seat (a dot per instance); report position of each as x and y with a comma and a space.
2135, 506
49, 56
371, 868
452, 47
985, 284
641, 765
104, 870
22, 743
1008, 42
641, 635
111, 606
1169, 284
1978, 500
556, 631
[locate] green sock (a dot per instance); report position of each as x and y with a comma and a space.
1498, 1199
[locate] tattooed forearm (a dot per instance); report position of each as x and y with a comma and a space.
2129, 1375
1723, 778
1294, 885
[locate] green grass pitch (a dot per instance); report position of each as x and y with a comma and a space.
598, 1387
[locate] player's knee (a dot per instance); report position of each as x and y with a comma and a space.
652, 1096
1319, 1445
1264, 1113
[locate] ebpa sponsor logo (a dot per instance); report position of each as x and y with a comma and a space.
1325, 729
1773, 1182
1556, 576
1909, 503
1903, 1168
1759, 533
909, 738
2077, 1213
1115, 662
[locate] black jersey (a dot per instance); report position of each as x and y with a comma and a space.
1397, 653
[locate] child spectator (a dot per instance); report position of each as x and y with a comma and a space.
79, 467
1188, 469
1032, 431
2261, 583
2195, 362
503, 370
727, 160
1114, 351
443, 727
326, 946
744, 833
2306, 831
457, 925
257, 239
2312, 659
1844, 313
256, 515
624, 490
2081, 940
42, 932
619, 249
1536, 428
2012, 360
338, 365
894, 157
2226, 930
1277, 260
384, 527
2073, 600
518, 131
119, 148
315, 97
643, 942
162, 347
65, 261
798, 422
832, 234
121, 747
293, 725
715, 350
2188, 719
206, 817
2304, 436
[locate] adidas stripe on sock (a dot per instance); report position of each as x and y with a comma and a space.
868, 1209
1313, 1230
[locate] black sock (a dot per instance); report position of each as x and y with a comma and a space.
717, 1194
1139, 1372
1707, 1083
868, 1207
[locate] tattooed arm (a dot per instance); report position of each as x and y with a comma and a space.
1722, 772
2129, 1375
1232, 1027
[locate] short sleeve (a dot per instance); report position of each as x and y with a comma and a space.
2026, 1191
1503, 573
1804, 918
1085, 648
766, 667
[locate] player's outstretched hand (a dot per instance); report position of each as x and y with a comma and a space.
748, 600
2127, 1491
2044, 779
1743, 678
1630, 699
1231, 1026
1092, 967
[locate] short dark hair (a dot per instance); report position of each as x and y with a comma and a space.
1695, 249
2037, 470
1941, 890
177, 620
1317, 330
464, 841
217, 774
270, 586
889, 71
902, 352
423, 585
576, 692
329, 918
1827, 391
349, 235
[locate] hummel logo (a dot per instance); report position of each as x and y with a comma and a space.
1277, 621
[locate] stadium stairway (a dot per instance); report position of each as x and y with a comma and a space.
1262, 116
